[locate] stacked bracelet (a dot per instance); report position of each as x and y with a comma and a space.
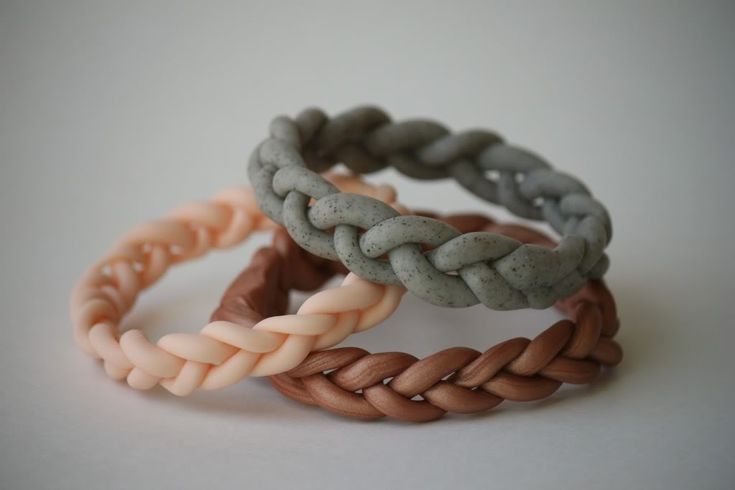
340, 225
223, 352
354, 383
462, 269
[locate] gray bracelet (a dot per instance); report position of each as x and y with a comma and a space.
461, 269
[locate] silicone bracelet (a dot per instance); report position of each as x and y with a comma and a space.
457, 380
223, 352
462, 270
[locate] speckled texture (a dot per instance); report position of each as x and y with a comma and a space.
461, 270
389, 234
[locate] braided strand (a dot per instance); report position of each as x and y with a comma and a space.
222, 352
502, 274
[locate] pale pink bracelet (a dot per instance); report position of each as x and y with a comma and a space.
222, 353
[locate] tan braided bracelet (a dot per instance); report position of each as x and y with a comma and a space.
355, 383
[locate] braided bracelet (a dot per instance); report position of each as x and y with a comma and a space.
462, 269
223, 352
458, 380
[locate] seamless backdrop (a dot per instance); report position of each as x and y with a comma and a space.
111, 113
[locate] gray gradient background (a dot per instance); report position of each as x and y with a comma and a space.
112, 113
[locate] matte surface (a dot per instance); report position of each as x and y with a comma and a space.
283, 171
221, 353
113, 113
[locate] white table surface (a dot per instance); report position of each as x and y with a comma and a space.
111, 113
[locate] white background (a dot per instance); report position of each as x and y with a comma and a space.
113, 113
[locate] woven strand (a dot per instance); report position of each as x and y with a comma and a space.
223, 352
501, 273
354, 383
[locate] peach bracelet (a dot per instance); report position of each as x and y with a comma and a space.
223, 352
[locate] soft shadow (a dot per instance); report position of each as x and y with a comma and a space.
421, 329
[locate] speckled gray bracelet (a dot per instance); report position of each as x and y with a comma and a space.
461, 269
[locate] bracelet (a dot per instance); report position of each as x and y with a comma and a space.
223, 352
352, 382
462, 269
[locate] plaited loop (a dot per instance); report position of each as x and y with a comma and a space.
355, 383
502, 274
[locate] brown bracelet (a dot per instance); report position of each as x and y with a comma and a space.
352, 382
